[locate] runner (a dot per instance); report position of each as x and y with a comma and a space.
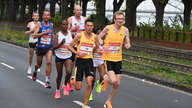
44, 33
98, 64
112, 54
63, 57
76, 25
32, 42
84, 63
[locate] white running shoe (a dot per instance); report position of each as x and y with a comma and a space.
29, 70
38, 70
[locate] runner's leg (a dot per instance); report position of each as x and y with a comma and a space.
88, 90
68, 67
59, 66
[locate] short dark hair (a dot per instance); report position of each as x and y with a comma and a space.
88, 20
97, 29
47, 11
34, 13
63, 20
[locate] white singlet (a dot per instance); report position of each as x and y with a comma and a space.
97, 59
62, 52
31, 40
81, 24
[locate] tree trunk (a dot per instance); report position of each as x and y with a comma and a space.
15, 8
101, 11
31, 5
116, 5
160, 6
2, 8
34, 5
187, 11
23, 6
84, 7
52, 8
130, 13
7, 9
42, 4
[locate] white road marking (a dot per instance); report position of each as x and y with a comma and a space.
8, 66
80, 103
40, 82
162, 86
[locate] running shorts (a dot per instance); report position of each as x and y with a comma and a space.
33, 45
43, 51
57, 59
74, 55
83, 66
97, 63
113, 66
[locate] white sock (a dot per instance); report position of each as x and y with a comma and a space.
47, 79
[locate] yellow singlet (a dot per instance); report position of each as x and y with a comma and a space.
114, 41
86, 46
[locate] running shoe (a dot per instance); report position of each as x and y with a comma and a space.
47, 85
98, 88
34, 75
65, 92
91, 97
104, 83
107, 105
38, 70
70, 87
57, 94
29, 70
72, 80
84, 106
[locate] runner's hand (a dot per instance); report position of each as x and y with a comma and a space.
63, 41
106, 49
76, 27
100, 52
47, 31
82, 54
127, 46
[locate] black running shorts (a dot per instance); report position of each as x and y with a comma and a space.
83, 65
113, 66
33, 45
74, 55
43, 51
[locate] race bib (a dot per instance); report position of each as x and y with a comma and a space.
63, 50
97, 56
86, 48
46, 39
114, 47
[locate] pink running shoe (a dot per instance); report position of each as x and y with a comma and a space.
34, 75
47, 85
57, 94
70, 87
65, 92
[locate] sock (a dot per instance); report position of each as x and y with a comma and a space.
47, 79
57, 90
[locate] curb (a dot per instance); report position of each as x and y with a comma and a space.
157, 79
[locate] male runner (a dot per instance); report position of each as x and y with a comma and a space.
98, 64
44, 33
76, 24
84, 63
114, 36
32, 42
63, 57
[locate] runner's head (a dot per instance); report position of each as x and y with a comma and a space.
64, 25
97, 31
119, 18
46, 15
35, 16
77, 11
89, 25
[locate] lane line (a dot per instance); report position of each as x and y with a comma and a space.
8, 66
159, 85
40, 82
80, 103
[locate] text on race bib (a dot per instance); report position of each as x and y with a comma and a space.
46, 39
97, 56
63, 50
86, 48
114, 47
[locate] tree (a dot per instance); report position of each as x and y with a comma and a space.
42, 4
15, 8
23, 6
160, 6
2, 8
85, 7
117, 5
187, 11
130, 12
7, 8
52, 8
100, 9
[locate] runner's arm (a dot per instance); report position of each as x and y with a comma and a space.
70, 23
55, 42
27, 30
73, 43
103, 33
73, 35
97, 45
37, 29
127, 39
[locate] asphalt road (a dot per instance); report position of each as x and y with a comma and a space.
18, 90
